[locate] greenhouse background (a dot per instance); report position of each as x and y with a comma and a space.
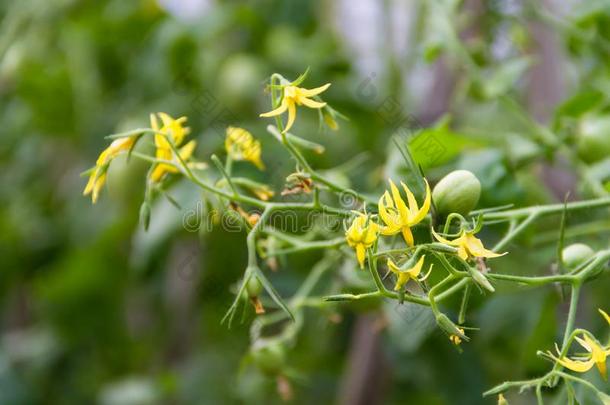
96, 309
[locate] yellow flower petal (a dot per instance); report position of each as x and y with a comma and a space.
415, 270
462, 253
468, 246
583, 343
361, 235
173, 128
476, 248
313, 92
158, 173
605, 315
421, 214
293, 96
99, 183
360, 254
401, 281
393, 267
292, 114
403, 276
443, 240
413, 208
187, 150
408, 236
91, 182
598, 355
154, 124
241, 145
391, 227
98, 176
311, 103
399, 203
574, 365
280, 110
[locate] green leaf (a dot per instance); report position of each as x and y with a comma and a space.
435, 146
579, 104
503, 79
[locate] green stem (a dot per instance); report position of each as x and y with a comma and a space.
515, 231
548, 209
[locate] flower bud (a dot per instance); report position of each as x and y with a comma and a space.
502, 400
459, 192
330, 121
269, 357
145, 215
593, 142
576, 254
449, 327
480, 279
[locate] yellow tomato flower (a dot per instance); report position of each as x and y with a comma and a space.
455, 339
98, 176
361, 235
403, 276
173, 129
263, 192
597, 356
468, 245
241, 145
400, 217
293, 96
185, 153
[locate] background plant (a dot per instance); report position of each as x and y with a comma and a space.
102, 311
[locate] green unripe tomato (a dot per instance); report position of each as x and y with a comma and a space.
270, 358
576, 254
254, 288
239, 79
459, 192
593, 142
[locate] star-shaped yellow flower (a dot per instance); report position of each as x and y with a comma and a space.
293, 96
403, 276
98, 176
400, 217
468, 245
241, 145
597, 356
361, 235
173, 129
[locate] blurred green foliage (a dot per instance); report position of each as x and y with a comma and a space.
96, 310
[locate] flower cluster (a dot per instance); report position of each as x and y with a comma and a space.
399, 216
241, 145
171, 132
171, 154
167, 138
169, 135
386, 233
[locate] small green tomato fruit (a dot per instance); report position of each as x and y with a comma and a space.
593, 142
254, 288
270, 358
576, 254
459, 192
